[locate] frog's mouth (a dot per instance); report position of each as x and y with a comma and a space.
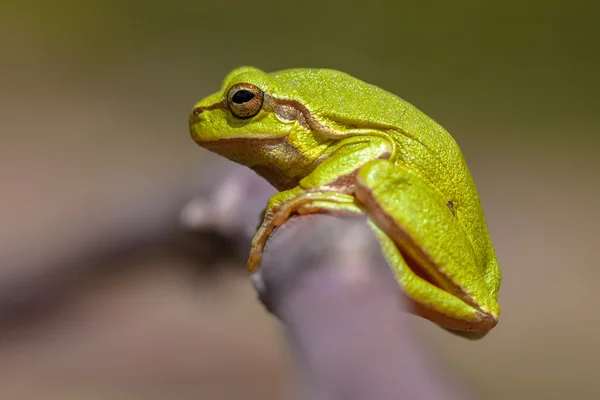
237, 142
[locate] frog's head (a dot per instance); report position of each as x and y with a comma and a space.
282, 124
252, 122
243, 110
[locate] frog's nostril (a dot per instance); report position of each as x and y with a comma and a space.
197, 111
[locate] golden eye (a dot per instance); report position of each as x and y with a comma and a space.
245, 100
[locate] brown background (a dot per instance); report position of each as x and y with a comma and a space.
95, 156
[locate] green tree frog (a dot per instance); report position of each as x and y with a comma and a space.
332, 143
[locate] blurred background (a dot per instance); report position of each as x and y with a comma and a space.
95, 163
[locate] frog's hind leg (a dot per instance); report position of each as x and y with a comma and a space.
426, 247
427, 300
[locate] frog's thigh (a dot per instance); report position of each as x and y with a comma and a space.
408, 214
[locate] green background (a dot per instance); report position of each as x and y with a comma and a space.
94, 104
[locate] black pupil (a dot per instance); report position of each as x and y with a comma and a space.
242, 96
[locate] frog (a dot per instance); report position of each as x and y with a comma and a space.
331, 143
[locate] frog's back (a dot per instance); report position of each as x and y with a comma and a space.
351, 103
423, 145
355, 103
344, 103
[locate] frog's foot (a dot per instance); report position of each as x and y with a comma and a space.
305, 203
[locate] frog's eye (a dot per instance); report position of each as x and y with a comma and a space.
245, 100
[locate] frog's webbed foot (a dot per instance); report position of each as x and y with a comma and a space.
295, 201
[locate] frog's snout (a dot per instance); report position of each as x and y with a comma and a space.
196, 114
197, 118
201, 112
194, 121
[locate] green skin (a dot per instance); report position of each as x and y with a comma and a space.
332, 143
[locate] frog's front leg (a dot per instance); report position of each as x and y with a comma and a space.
304, 203
425, 243
268, 225
328, 188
